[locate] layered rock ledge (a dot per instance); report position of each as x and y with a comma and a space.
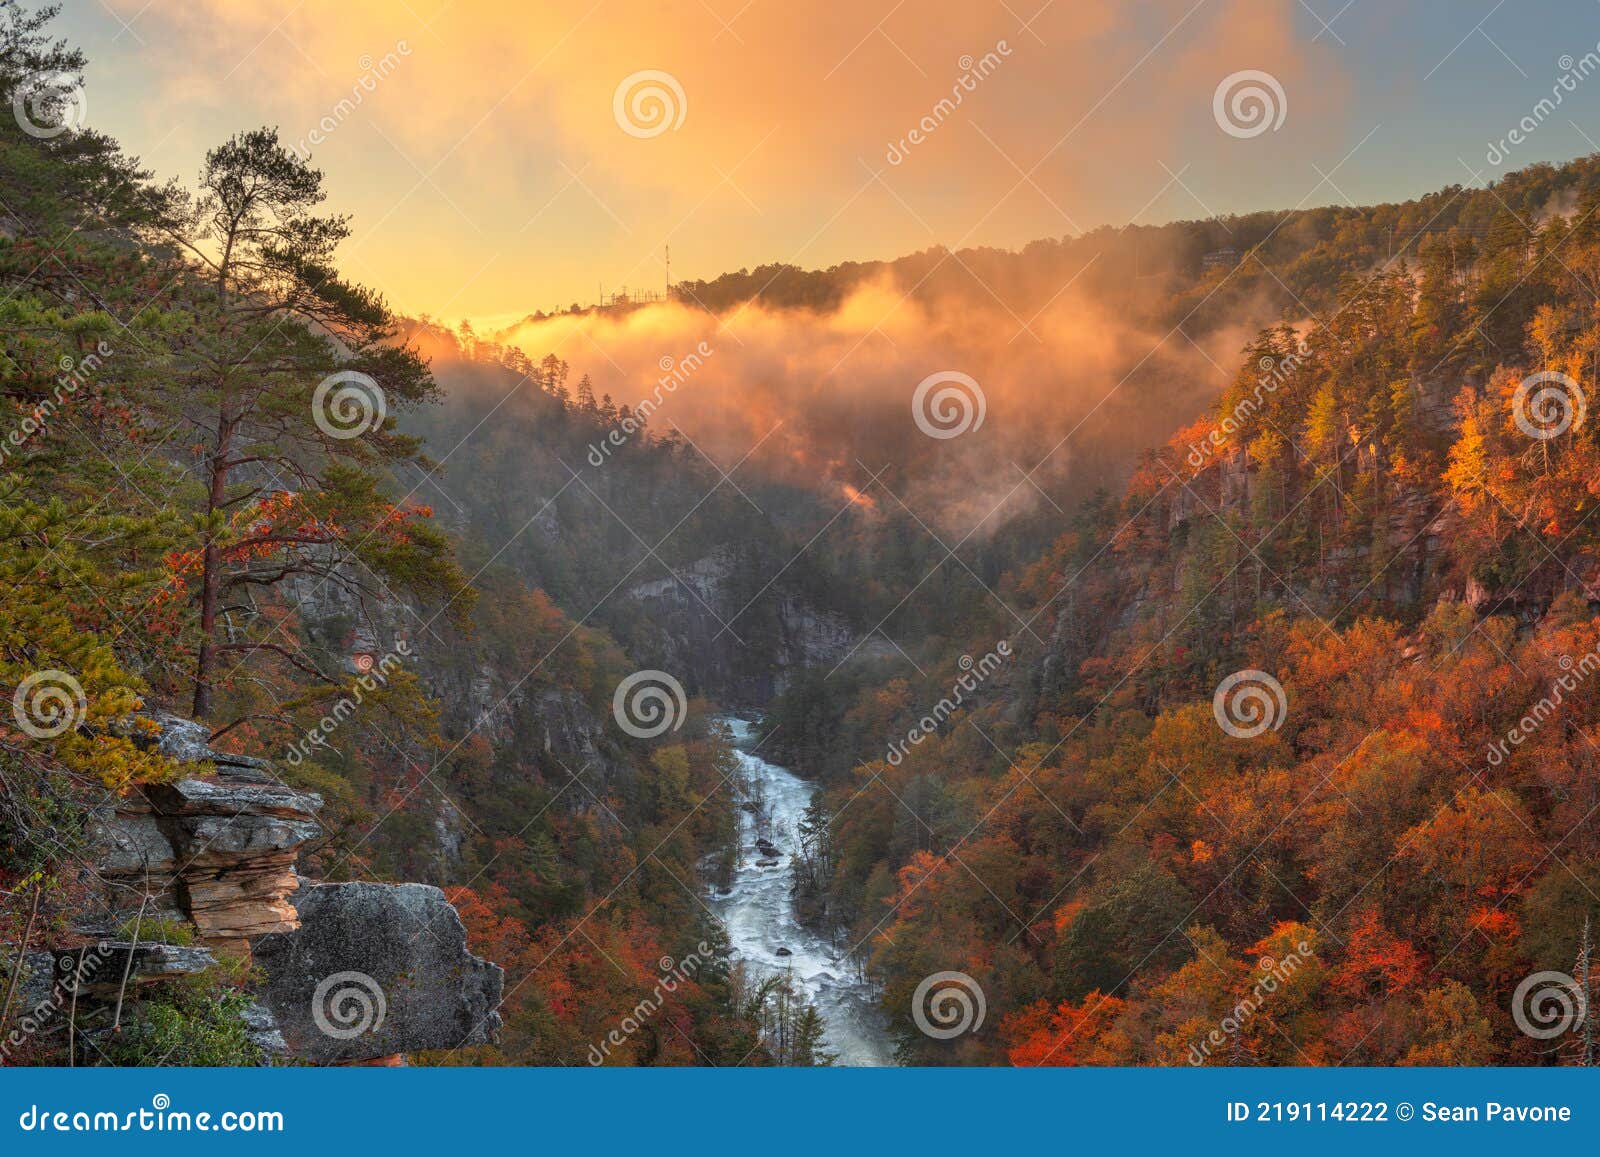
217, 851
352, 972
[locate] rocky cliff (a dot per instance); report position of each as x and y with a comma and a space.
740, 646
210, 858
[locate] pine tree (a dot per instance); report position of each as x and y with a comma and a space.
290, 388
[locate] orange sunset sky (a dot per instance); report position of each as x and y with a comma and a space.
488, 173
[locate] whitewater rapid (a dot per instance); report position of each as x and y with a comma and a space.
758, 912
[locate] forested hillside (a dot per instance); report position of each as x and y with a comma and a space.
209, 508
1390, 535
1225, 697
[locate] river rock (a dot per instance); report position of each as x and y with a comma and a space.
375, 970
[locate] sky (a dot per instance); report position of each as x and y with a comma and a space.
504, 156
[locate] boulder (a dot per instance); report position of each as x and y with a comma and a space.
374, 970
102, 965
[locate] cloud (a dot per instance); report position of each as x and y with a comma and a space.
495, 154
828, 399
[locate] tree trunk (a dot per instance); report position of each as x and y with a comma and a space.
211, 561
211, 571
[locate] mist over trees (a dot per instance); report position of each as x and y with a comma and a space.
230, 476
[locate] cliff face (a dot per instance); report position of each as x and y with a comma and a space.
1399, 564
740, 646
216, 852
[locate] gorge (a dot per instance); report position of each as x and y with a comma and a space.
319, 621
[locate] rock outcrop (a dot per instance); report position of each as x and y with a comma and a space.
374, 970
216, 851
104, 971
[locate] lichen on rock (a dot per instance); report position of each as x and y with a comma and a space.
374, 970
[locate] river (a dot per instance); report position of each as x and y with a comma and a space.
758, 912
